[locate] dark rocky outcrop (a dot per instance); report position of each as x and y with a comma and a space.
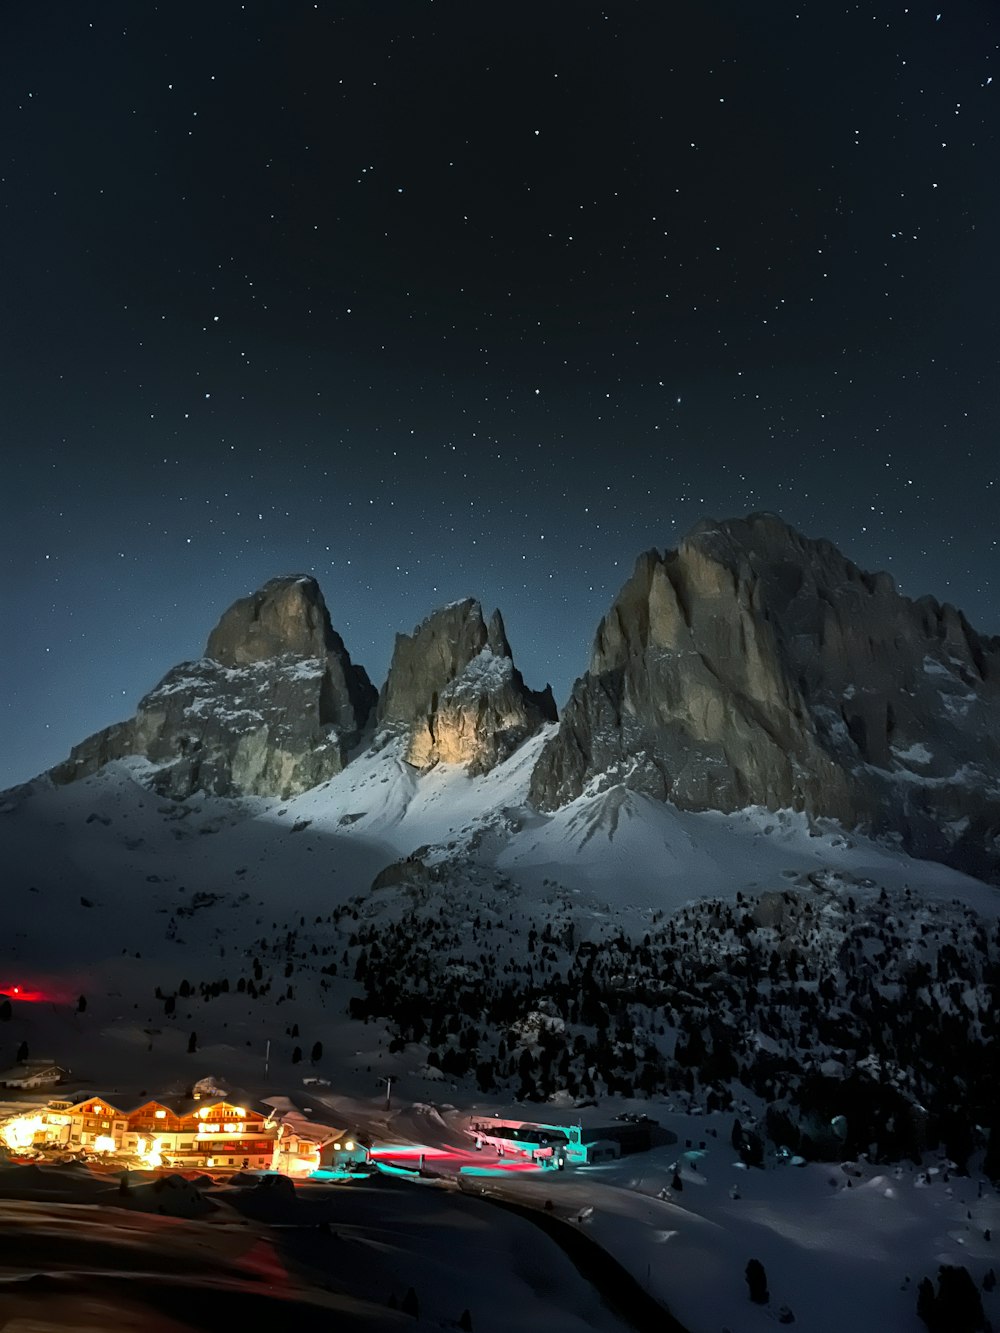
453, 686
271, 710
756, 666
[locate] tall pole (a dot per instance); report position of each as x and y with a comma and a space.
388, 1092
267, 1057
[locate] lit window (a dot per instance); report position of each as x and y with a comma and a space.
349, 1146
336, 1147
161, 1115
239, 1112
203, 1112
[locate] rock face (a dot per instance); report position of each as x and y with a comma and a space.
271, 710
755, 666
454, 687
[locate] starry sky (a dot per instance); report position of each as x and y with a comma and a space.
435, 298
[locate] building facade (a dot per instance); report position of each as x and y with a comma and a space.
226, 1135
186, 1134
95, 1125
194, 1134
33, 1074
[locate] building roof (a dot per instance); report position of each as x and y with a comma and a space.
80, 1102
186, 1106
317, 1123
163, 1103
31, 1069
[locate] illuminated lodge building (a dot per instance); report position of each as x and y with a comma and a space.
186, 1133
212, 1134
189, 1133
94, 1124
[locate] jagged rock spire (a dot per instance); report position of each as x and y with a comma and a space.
453, 685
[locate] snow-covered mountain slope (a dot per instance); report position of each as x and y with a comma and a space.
437, 929
111, 891
111, 841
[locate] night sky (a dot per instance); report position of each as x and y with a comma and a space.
436, 298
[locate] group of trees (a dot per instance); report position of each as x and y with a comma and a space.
761, 994
209, 990
956, 1306
900, 994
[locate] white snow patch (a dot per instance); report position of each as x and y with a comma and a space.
917, 753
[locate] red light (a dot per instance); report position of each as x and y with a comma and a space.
32, 995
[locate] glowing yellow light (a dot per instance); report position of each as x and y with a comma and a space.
211, 1161
239, 1111
21, 1133
336, 1147
203, 1112
149, 1152
96, 1108
104, 1143
161, 1115
349, 1146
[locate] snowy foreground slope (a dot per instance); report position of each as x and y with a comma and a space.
104, 869
696, 967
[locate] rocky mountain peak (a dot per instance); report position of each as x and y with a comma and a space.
424, 662
496, 636
754, 665
271, 710
286, 615
453, 686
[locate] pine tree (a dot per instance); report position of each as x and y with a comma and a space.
927, 1303
192, 1043
22, 1053
317, 1053
81, 1005
991, 1162
959, 1306
757, 1282
296, 1055
5, 1011
409, 1304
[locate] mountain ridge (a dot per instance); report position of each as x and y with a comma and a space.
751, 665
